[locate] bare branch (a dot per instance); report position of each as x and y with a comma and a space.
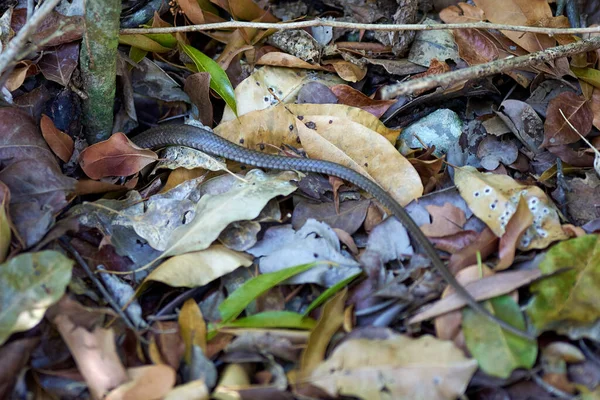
352, 25
17, 43
488, 69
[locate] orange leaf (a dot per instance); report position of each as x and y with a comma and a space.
117, 156
474, 47
61, 144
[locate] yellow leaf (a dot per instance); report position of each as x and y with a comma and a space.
350, 144
494, 198
276, 125
192, 327
397, 367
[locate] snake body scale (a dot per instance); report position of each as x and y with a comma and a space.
208, 142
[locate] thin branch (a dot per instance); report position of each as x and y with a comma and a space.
107, 296
352, 25
20, 40
488, 69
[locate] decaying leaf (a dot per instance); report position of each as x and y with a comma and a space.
494, 199
396, 367
243, 201
568, 298
30, 283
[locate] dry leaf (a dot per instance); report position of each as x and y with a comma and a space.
494, 199
277, 125
483, 289
117, 156
518, 224
462, 13
397, 367
520, 12
59, 142
446, 220
350, 144
354, 98
577, 110
150, 382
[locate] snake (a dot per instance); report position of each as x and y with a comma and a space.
208, 142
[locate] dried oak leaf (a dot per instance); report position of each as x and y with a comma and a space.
576, 109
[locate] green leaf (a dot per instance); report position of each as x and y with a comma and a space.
164, 39
29, 284
571, 297
589, 75
219, 82
497, 351
273, 319
143, 42
136, 54
329, 292
238, 300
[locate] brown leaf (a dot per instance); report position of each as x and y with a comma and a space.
595, 107
462, 13
577, 110
60, 143
31, 172
169, 342
349, 218
519, 12
14, 356
446, 220
474, 47
59, 63
278, 59
19, 73
147, 382
354, 98
197, 86
454, 243
117, 156
483, 289
518, 224
346, 70
49, 26
485, 244
191, 9
95, 354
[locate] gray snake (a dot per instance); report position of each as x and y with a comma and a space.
207, 142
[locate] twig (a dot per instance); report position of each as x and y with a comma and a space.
491, 68
18, 42
107, 296
352, 25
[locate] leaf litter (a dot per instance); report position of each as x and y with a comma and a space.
225, 280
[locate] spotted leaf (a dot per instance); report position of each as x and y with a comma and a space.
494, 199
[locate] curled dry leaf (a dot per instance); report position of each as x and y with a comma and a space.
354, 98
117, 156
494, 199
474, 47
348, 71
516, 227
351, 144
557, 130
60, 143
